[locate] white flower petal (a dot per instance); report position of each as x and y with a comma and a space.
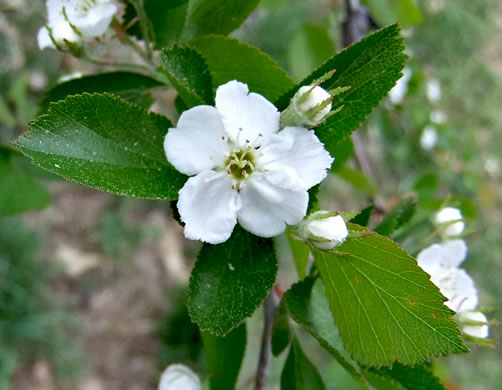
44, 40
300, 149
458, 287
250, 112
208, 206
95, 21
179, 377
448, 215
196, 144
270, 201
480, 331
454, 253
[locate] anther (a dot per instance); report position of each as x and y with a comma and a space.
229, 172
223, 137
260, 135
233, 186
248, 141
240, 128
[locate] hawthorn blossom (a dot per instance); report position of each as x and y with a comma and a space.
474, 324
441, 262
428, 138
179, 377
242, 168
451, 218
324, 229
72, 20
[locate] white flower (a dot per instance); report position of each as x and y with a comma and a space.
324, 230
476, 330
316, 96
429, 138
448, 216
179, 377
243, 168
85, 18
398, 92
441, 262
433, 90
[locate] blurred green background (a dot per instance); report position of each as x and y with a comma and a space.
92, 286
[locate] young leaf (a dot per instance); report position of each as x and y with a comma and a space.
299, 373
370, 67
132, 87
18, 191
418, 377
363, 218
188, 73
307, 304
281, 331
224, 357
230, 280
397, 217
216, 16
104, 142
357, 179
167, 20
228, 59
384, 305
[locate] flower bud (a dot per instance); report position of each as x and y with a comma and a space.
447, 216
177, 377
324, 229
310, 97
62, 37
474, 324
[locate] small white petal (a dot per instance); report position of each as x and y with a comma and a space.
458, 287
44, 40
63, 32
448, 215
332, 228
179, 377
317, 96
480, 331
438, 257
300, 149
95, 21
269, 201
196, 144
252, 113
208, 206
429, 138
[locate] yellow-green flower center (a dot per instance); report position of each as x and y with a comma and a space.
241, 163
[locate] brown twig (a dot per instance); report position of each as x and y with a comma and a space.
270, 307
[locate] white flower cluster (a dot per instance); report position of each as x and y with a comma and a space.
242, 166
70, 21
441, 261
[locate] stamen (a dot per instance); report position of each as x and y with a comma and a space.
233, 186
223, 137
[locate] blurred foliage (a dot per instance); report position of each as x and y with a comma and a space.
34, 323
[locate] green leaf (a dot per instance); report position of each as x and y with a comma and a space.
132, 87
300, 252
230, 280
371, 68
307, 304
382, 382
281, 331
384, 305
308, 48
357, 179
188, 73
224, 357
104, 142
391, 11
18, 191
363, 218
341, 153
418, 377
167, 19
299, 373
228, 59
397, 217
216, 16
